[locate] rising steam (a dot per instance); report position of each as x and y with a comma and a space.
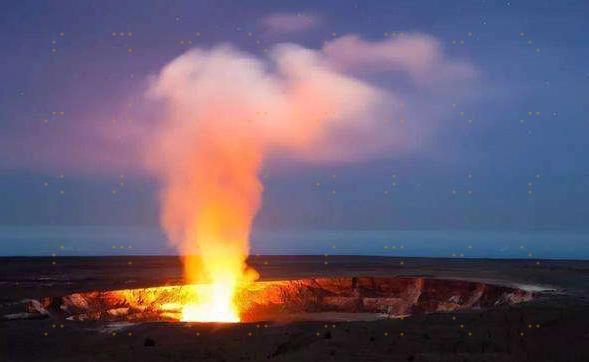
225, 112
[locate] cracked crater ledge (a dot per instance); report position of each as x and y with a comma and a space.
340, 298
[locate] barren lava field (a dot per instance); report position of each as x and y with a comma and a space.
349, 309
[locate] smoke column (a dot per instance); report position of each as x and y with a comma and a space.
225, 112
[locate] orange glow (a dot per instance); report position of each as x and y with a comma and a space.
216, 304
210, 209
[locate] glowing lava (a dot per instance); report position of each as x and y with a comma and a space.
215, 304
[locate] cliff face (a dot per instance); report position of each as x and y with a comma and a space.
390, 297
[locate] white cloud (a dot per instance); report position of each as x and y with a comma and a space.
421, 56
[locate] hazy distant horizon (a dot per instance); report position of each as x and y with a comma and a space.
140, 240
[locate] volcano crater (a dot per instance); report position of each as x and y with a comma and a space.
329, 299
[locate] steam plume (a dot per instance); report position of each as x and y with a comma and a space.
225, 111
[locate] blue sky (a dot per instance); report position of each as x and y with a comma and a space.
507, 152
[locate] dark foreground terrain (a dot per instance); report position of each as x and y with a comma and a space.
554, 326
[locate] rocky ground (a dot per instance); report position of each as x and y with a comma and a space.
554, 326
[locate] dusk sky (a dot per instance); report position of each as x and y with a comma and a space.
483, 126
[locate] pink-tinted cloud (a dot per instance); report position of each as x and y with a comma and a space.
420, 56
286, 23
303, 106
313, 104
